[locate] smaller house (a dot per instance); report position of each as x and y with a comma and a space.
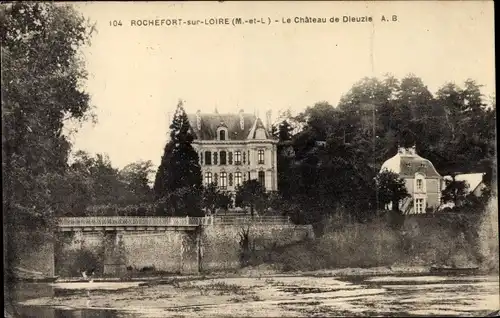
422, 181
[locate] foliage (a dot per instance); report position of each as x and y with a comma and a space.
391, 189
136, 176
338, 151
213, 199
140, 209
251, 194
283, 131
178, 179
41, 85
97, 188
73, 263
42, 73
455, 192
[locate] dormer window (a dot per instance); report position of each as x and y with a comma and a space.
222, 133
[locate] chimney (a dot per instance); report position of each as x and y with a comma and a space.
242, 120
198, 119
268, 120
413, 150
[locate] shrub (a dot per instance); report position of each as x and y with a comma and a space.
72, 263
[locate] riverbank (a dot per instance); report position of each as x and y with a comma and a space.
264, 271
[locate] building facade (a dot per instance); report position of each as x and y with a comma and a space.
234, 148
423, 182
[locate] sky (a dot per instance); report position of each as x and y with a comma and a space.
137, 74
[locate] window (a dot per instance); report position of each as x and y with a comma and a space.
419, 205
237, 157
222, 157
237, 178
420, 185
230, 179
201, 158
208, 178
244, 157
215, 158
208, 158
261, 156
222, 135
223, 180
262, 178
248, 157
419, 182
216, 179
230, 158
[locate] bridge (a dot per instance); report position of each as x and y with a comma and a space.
123, 223
171, 244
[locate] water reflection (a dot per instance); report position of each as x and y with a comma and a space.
20, 292
43, 312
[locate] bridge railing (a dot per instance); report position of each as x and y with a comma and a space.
249, 219
114, 221
124, 221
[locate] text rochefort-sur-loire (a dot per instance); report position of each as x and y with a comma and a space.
227, 21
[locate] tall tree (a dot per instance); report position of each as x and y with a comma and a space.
42, 73
178, 179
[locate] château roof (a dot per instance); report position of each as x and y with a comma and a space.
210, 122
256, 125
406, 163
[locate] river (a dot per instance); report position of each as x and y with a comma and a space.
285, 296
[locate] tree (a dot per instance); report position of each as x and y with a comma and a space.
213, 199
41, 77
391, 189
224, 200
284, 131
251, 194
42, 73
97, 188
178, 179
136, 176
455, 130
455, 192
